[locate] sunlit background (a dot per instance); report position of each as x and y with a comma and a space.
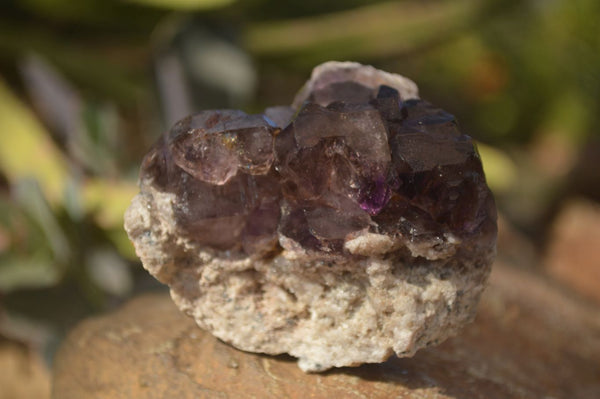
86, 86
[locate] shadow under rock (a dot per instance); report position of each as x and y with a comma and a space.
431, 370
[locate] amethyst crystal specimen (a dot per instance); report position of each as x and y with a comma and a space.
323, 213
364, 163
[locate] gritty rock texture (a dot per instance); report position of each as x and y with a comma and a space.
529, 341
352, 225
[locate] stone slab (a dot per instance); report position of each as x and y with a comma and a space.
529, 340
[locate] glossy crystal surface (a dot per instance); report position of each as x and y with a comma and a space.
350, 159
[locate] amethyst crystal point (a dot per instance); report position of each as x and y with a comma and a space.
217, 164
213, 145
351, 225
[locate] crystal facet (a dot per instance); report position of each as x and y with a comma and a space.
351, 159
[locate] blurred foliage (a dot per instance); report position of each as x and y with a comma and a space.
86, 86
186, 5
26, 149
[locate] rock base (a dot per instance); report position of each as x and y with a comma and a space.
529, 340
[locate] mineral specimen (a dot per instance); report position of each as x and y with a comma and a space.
352, 225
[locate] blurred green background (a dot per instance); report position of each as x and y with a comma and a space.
86, 86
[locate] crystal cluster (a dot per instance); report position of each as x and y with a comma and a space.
353, 224
219, 166
350, 160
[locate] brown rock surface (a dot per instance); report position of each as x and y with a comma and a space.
23, 374
529, 340
573, 255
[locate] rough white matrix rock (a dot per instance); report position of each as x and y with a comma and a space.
352, 225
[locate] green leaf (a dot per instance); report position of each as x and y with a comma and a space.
27, 272
109, 200
500, 171
26, 150
121, 241
99, 13
30, 198
184, 5
372, 31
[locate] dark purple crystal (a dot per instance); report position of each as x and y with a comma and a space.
352, 158
373, 197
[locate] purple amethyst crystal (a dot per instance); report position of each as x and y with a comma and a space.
354, 224
352, 157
